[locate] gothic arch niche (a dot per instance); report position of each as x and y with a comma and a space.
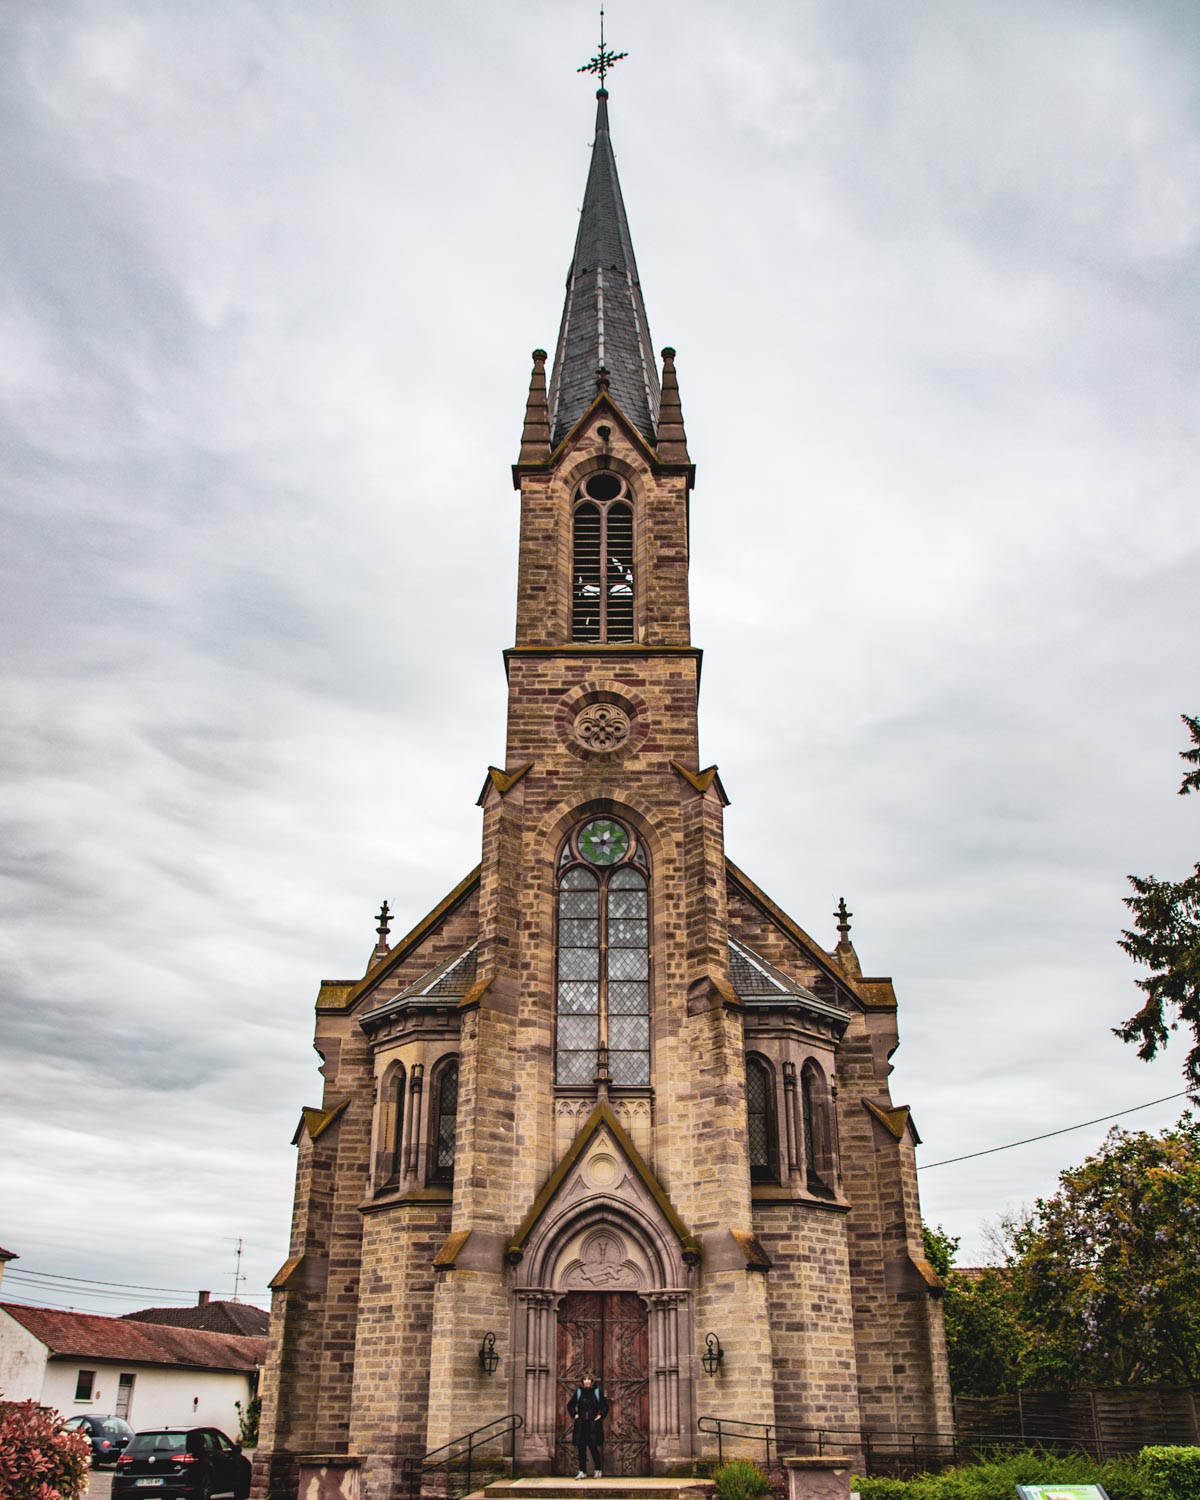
603, 1268
820, 1163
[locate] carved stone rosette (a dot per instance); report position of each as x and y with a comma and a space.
602, 726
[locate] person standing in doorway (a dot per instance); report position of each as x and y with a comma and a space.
589, 1407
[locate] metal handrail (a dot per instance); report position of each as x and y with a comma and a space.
875, 1443
415, 1467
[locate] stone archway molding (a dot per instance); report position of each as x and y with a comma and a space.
603, 1223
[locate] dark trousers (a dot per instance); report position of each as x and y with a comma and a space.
590, 1445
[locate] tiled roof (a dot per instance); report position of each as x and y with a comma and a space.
451, 979
8, 1254
89, 1336
604, 316
755, 978
212, 1317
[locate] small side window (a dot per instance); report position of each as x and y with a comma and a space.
443, 1123
760, 1120
84, 1383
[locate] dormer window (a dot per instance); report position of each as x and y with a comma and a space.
602, 590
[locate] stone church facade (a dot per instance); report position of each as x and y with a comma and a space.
607, 1098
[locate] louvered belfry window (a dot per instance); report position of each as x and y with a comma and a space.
603, 958
602, 593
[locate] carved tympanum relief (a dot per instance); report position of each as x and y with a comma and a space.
601, 1261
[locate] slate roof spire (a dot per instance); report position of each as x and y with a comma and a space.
604, 317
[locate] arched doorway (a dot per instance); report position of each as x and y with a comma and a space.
602, 1280
606, 1334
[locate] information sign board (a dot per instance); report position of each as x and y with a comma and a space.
1061, 1492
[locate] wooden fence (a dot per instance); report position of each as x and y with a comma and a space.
1119, 1420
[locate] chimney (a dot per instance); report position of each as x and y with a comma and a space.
202, 1299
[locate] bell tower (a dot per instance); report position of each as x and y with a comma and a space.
603, 940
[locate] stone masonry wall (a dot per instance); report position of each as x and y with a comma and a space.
395, 1327
899, 1338
812, 1315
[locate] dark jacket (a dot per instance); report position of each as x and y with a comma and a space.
589, 1408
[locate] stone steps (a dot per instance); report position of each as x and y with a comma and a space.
616, 1488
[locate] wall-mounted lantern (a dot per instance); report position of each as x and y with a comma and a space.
713, 1354
489, 1360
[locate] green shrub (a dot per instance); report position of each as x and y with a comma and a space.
739, 1479
996, 1476
1171, 1473
248, 1420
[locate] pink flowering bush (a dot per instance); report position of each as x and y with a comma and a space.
39, 1458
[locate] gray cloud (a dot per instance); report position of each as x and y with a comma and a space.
268, 283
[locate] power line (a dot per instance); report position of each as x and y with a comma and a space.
57, 1306
182, 1291
33, 1281
1029, 1139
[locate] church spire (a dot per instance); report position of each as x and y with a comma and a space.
604, 317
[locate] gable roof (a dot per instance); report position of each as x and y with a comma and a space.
240, 1318
340, 997
90, 1336
871, 994
603, 1117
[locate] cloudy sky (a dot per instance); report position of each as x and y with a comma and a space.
269, 278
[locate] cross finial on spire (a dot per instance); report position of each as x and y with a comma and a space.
843, 917
604, 59
384, 916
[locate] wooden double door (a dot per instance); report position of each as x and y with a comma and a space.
606, 1333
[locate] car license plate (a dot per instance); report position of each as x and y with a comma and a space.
140, 1482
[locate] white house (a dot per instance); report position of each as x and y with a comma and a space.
152, 1374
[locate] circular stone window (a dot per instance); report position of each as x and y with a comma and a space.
603, 842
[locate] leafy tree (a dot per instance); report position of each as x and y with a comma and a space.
985, 1340
1166, 938
1106, 1273
1101, 1284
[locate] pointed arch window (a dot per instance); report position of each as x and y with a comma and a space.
443, 1124
602, 588
760, 1121
603, 957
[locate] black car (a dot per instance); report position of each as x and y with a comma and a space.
197, 1462
108, 1435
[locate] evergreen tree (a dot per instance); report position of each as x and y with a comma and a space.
1166, 938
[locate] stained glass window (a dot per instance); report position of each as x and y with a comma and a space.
603, 842
603, 975
442, 1136
759, 1120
